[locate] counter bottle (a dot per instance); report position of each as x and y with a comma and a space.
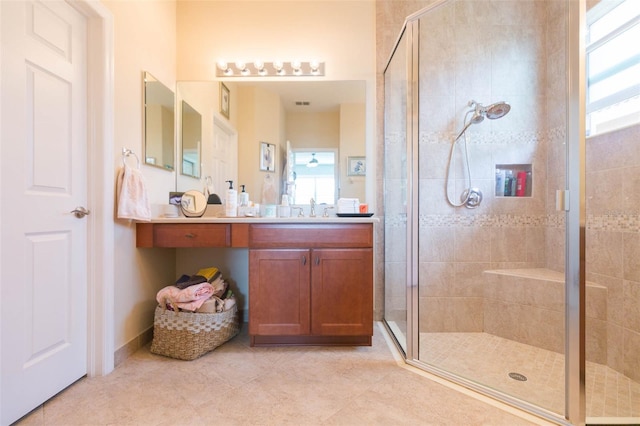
243, 200
231, 201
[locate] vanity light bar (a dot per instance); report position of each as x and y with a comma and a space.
270, 69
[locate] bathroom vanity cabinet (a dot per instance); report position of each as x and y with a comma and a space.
309, 282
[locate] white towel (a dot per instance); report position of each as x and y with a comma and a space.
348, 205
133, 201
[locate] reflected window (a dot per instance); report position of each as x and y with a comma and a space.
314, 174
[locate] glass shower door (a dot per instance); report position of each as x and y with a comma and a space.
395, 195
491, 272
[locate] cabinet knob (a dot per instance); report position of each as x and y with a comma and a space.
304, 260
190, 235
317, 260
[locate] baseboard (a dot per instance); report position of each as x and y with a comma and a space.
132, 346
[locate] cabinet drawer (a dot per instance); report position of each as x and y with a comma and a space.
354, 235
191, 235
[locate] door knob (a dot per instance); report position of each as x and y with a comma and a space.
80, 212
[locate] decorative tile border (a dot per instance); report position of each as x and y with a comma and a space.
493, 138
614, 222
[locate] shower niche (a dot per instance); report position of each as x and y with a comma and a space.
513, 180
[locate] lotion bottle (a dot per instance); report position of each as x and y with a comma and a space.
231, 201
244, 197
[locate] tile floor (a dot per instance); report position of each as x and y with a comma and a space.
240, 385
488, 359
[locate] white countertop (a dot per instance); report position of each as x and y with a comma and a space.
306, 220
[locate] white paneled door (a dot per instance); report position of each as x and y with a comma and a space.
44, 178
224, 158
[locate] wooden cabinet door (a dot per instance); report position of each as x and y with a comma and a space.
279, 292
342, 292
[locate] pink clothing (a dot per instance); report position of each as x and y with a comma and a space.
189, 299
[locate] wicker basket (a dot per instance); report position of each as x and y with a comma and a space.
187, 335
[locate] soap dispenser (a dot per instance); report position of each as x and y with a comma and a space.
231, 201
244, 197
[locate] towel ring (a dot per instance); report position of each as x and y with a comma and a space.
126, 152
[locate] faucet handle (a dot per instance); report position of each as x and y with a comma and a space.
301, 213
326, 211
312, 209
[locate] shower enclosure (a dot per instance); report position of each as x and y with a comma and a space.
486, 282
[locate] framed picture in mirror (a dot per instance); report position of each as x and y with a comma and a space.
356, 166
267, 157
224, 100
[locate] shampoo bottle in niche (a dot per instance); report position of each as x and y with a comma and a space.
231, 201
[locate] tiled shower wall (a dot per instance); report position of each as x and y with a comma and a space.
486, 51
613, 243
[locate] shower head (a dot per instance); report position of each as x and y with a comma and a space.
492, 112
497, 110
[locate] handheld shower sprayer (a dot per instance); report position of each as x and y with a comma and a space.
492, 112
471, 197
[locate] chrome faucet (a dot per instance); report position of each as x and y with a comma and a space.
312, 211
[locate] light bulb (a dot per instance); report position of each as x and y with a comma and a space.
222, 65
259, 65
278, 65
240, 65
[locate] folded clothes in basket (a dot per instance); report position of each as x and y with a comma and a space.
189, 299
202, 276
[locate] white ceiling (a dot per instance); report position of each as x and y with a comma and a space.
321, 95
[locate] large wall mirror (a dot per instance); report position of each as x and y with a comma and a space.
191, 140
301, 117
158, 126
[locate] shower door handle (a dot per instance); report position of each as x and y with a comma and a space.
562, 200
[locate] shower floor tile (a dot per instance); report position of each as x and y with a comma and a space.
488, 360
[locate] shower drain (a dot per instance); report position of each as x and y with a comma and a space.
518, 376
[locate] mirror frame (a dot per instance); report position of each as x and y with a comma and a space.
167, 137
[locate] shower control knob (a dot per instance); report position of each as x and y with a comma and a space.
472, 196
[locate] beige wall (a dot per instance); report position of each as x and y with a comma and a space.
144, 41
209, 31
261, 118
313, 130
352, 144
329, 31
